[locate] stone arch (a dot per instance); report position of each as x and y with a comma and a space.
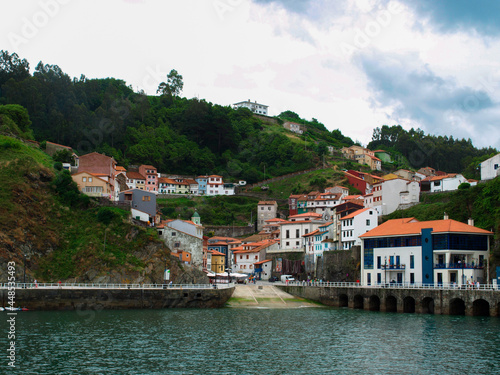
374, 303
409, 305
358, 302
480, 307
343, 300
391, 304
457, 307
427, 305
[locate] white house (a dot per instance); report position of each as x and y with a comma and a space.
266, 210
291, 231
356, 224
447, 182
259, 109
390, 195
490, 168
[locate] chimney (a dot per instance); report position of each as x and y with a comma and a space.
446, 217
470, 221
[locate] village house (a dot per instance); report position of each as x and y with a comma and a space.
166, 185
92, 185
266, 210
424, 252
398, 193
259, 109
447, 182
291, 231
490, 168
151, 175
184, 236
245, 256
142, 203
135, 180
99, 165
216, 261
202, 184
355, 224
294, 127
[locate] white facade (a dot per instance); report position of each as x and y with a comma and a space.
356, 224
259, 109
490, 168
291, 234
186, 227
447, 183
389, 195
139, 215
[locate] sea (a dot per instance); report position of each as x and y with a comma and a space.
318, 340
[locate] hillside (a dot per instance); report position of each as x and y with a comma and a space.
61, 233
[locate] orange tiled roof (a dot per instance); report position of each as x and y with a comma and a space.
135, 176
355, 213
408, 226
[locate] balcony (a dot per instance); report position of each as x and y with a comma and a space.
393, 266
458, 266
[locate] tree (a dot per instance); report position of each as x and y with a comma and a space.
173, 86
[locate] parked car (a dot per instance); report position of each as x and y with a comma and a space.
272, 279
284, 278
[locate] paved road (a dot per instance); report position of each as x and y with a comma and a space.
265, 295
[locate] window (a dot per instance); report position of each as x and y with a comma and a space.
287, 233
288, 244
262, 208
146, 198
297, 232
90, 179
174, 234
307, 231
379, 262
269, 208
367, 222
412, 261
247, 256
495, 166
177, 244
379, 278
297, 243
84, 179
256, 257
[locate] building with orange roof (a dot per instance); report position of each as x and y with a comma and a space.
293, 201
216, 261
92, 185
151, 175
447, 182
266, 210
337, 190
424, 252
95, 162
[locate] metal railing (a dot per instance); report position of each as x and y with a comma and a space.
435, 286
114, 286
458, 266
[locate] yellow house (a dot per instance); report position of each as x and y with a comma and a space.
182, 186
92, 185
218, 261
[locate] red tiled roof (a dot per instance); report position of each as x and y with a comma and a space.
215, 252
267, 202
311, 233
408, 226
135, 176
263, 261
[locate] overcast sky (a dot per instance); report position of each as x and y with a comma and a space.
353, 65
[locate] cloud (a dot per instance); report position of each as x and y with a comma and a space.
459, 15
420, 98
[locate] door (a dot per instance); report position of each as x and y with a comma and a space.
453, 277
400, 277
440, 278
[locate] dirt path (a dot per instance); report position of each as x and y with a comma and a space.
265, 297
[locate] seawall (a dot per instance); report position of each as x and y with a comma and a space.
113, 299
473, 302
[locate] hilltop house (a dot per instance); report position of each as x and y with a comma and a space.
259, 109
135, 180
390, 195
447, 182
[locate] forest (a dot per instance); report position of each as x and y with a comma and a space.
191, 136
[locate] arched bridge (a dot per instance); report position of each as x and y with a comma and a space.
423, 300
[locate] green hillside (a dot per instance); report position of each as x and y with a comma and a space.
63, 235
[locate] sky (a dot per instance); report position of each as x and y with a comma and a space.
354, 65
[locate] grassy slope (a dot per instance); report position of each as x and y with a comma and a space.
62, 242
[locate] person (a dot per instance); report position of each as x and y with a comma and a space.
59, 282
36, 283
477, 284
170, 284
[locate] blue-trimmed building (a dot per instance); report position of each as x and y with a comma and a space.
424, 252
